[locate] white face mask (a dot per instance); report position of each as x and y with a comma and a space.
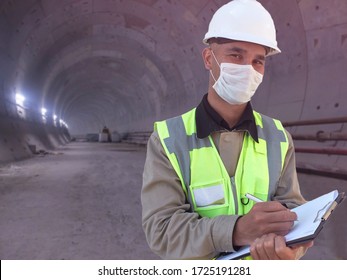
236, 83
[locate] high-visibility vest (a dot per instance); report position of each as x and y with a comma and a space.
208, 187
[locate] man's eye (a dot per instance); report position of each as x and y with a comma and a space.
238, 56
259, 62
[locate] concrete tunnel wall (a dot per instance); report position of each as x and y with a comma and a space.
128, 63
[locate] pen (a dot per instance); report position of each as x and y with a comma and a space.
252, 197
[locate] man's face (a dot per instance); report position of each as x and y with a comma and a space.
238, 53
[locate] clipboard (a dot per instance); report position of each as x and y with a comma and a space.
312, 217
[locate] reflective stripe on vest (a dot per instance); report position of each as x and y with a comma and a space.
204, 178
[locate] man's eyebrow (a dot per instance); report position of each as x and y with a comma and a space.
236, 49
261, 57
240, 50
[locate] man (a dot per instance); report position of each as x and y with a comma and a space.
201, 165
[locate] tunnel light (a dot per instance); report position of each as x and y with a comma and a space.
43, 113
54, 119
20, 99
63, 123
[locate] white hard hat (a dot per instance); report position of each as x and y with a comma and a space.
244, 20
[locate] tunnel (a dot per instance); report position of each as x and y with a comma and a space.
68, 68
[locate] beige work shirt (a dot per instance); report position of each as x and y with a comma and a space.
171, 229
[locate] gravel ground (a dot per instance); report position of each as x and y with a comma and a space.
82, 201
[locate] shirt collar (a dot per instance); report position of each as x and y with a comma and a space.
208, 120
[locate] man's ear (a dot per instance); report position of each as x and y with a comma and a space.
207, 56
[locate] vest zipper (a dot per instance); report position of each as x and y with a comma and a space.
233, 189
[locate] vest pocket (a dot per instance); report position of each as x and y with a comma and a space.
209, 200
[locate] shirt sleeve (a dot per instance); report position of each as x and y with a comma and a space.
172, 230
288, 189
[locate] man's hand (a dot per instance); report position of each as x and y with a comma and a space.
264, 218
273, 247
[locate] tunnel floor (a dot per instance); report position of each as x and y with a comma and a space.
82, 201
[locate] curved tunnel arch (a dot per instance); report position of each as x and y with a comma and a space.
144, 59
84, 40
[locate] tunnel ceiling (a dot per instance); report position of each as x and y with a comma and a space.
108, 61
126, 63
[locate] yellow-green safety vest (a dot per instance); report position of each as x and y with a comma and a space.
204, 178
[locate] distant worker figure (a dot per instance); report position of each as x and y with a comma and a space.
105, 130
105, 135
200, 165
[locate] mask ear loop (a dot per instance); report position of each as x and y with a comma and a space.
215, 80
215, 58
213, 76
